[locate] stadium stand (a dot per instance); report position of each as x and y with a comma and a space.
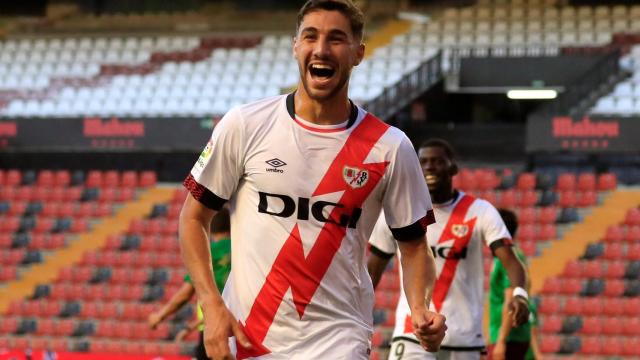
596, 298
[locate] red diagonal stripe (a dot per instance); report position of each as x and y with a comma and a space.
291, 268
443, 283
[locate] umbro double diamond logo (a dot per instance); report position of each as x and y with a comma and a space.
276, 164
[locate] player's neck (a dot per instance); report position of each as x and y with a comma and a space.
443, 197
331, 111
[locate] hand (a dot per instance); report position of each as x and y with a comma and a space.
182, 334
499, 351
429, 328
154, 319
219, 325
519, 310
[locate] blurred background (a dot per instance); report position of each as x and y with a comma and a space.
106, 104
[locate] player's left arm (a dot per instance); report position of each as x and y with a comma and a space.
519, 303
419, 274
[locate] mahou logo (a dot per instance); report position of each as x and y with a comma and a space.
114, 127
565, 127
8, 129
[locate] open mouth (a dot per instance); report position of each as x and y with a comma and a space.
321, 71
431, 179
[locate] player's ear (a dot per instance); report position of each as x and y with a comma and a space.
359, 54
453, 169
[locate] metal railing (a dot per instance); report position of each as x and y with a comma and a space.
407, 89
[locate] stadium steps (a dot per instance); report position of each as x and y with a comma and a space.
385, 35
552, 261
93, 240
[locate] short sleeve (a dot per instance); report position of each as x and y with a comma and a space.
406, 202
219, 168
492, 226
382, 238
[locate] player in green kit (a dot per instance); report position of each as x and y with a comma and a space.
506, 341
221, 261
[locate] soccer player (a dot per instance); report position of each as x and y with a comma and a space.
463, 225
507, 342
306, 175
220, 248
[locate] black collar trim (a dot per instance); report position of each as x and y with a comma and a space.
353, 116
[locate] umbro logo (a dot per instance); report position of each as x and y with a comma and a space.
275, 163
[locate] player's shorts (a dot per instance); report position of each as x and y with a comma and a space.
409, 349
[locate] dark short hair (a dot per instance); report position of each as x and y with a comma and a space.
221, 222
345, 7
441, 143
510, 220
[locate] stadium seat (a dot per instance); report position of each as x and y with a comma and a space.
526, 181
550, 305
551, 324
586, 182
612, 345
632, 217
607, 181
550, 344
612, 326
614, 234
591, 345
566, 182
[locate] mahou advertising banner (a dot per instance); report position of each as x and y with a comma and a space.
588, 134
105, 134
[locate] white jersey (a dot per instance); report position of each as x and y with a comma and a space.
462, 227
303, 201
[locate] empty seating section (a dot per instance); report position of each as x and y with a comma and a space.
624, 99
596, 300
102, 303
537, 200
41, 211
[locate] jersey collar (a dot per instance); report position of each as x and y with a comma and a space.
353, 116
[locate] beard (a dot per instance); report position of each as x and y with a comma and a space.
321, 95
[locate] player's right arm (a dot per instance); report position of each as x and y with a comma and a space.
196, 254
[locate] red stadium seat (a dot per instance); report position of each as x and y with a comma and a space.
592, 306
571, 286
573, 306
632, 306
592, 269
64, 327
633, 234
73, 193
147, 179
632, 217
547, 232
607, 181
586, 182
552, 286
587, 198
125, 194
613, 251
612, 326
614, 234
633, 252
526, 181
591, 325
591, 345
527, 232
551, 324
527, 215
568, 199
529, 248
550, 344
613, 345
13, 178
527, 198
41, 193
111, 178
573, 269
94, 179
615, 269
129, 179
46, 327
550, 305
62, 178
566, 182
614, 288
631, 346
548, 214
107, 195
79, 225
508, 199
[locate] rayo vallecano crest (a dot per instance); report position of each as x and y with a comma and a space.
354, 177
459, 230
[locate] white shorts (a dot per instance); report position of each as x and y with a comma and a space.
404, 349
